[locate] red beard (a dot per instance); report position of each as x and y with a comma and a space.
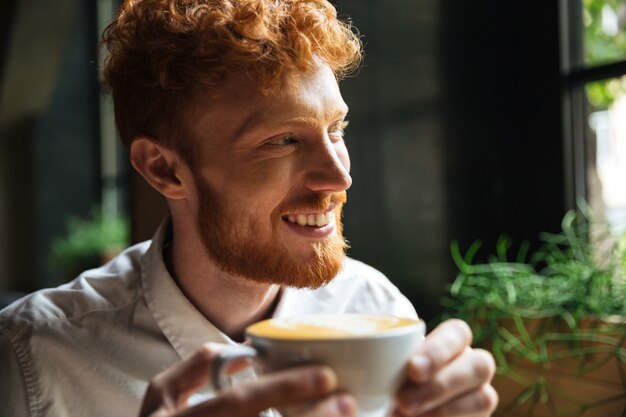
240, 248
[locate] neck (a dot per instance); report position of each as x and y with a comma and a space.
229, 302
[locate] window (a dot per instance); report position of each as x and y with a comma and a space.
594, 80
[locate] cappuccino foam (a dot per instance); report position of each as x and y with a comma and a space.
327, 326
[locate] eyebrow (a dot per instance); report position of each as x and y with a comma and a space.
261, 118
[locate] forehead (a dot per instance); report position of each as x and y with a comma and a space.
241, 107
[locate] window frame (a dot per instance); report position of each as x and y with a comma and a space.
574, 75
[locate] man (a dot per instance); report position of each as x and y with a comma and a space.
231, 110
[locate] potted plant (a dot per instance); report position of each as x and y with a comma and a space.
88, 243
553, 320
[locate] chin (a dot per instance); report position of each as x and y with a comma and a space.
306, 255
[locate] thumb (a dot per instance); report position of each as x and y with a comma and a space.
172, 388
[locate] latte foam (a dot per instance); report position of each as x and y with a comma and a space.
327, 326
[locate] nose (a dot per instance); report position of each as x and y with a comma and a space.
328, 167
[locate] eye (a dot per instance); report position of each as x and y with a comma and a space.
284, 140
338, 130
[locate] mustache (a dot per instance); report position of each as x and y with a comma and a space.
315, 202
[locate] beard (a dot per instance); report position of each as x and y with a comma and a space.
237, 245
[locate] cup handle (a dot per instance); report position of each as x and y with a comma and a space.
225, 357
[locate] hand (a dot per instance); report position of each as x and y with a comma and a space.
308, 391
448, 377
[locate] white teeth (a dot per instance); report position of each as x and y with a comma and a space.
320, 219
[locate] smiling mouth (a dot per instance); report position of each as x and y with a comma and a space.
311, 220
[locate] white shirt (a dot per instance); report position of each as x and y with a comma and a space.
90, 347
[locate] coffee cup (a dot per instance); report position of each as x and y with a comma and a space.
368, 353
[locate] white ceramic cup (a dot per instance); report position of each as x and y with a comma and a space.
368, 353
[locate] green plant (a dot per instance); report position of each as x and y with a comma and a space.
601, 47
547, 311
87, 243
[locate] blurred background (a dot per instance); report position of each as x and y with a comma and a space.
469, 120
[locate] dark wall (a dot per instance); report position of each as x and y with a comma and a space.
502, 117
66, 143
50, 151
455, 134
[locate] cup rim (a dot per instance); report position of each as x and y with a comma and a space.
418, 326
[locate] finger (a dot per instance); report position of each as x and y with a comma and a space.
172, 387
479, 403
440, 347
339, 405
280, 389
470, 371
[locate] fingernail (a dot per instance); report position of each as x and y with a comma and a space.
324, 379
346, 405
421, 367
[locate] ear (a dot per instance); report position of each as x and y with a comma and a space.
161, 167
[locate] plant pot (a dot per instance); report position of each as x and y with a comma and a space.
547, 369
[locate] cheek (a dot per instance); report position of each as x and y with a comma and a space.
260, 187
247, 174
271, 177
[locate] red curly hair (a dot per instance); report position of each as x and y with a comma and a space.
164, 54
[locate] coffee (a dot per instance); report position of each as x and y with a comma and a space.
368, 353
327, 326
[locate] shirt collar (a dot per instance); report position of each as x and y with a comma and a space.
183, 325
